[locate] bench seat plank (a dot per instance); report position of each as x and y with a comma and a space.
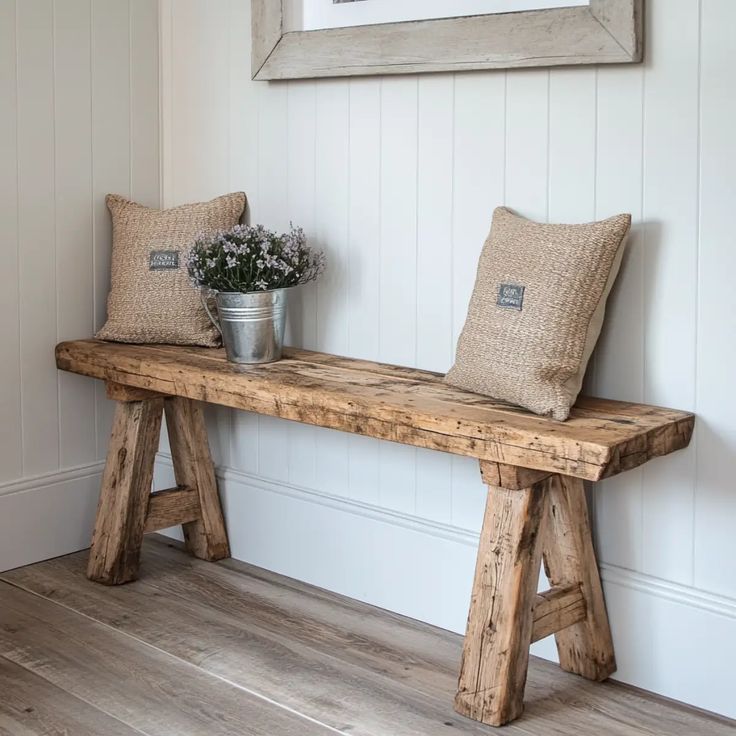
406, 405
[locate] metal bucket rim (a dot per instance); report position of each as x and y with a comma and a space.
264, 291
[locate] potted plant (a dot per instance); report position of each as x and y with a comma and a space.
248, 270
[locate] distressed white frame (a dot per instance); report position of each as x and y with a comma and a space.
604, 32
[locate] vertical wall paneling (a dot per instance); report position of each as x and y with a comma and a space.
572, 145
479, 181
200, 46
300, 154
73, 185
670, 182
11, 460
619, 355
332, 142
364, 218
715, 501
69, 134
273, 119
435, 162
301, 137
332, 146
36, 236
273, 109
144, 103
364, 242
527, 138
398, 267
398, 255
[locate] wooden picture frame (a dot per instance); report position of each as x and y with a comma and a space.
603, 32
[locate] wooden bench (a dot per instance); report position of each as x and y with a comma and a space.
534, 468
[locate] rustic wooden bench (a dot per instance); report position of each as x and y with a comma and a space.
534, 468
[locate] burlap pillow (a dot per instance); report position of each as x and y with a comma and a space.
537, 310
151, 298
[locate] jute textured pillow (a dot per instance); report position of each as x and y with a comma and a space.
151, 298
537, 310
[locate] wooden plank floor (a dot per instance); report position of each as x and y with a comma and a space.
199, 648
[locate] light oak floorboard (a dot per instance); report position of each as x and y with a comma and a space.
355, 667
140, 685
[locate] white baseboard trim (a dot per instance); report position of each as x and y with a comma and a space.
47, 515
670, 639
621, 576
44, 480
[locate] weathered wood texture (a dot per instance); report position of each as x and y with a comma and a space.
126, 485
172, 507
348, 663
118, 392
405, 405
206, 536
604, 31
550, 519
510, 476
558, 608
495, 657
585, 648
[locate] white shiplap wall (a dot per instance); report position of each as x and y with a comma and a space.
397, 178
79, 110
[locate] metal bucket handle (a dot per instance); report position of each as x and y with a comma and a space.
213, 319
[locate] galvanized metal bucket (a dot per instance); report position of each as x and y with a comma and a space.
251, 325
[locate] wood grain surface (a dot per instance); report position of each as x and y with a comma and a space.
139, 684
170, 649
31, 705
585, 648
600, 32
404, 405
124, 497
171, 507
493, 668
205, 535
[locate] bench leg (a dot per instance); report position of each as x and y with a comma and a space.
206, 536
126, 485
500, 622
585, 648
549, 519
127, 508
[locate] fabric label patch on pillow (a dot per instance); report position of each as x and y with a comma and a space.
163, 260
510, 296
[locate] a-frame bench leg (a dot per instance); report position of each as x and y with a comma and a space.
206, 536
126, 486
127, 509
548, 516
499, 633
586, 648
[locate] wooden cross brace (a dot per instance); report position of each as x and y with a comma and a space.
127, 509
534, 516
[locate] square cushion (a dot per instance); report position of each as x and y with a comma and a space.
151, 298
537, 309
